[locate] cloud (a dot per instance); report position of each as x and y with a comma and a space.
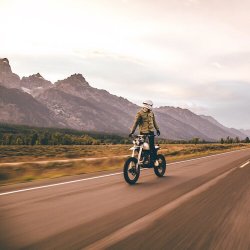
236, 59
217, 65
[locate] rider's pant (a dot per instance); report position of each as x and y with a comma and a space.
151, 146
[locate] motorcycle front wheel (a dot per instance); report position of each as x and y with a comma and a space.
161, 168
130, 171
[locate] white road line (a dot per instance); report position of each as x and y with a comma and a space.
58, 184
107, 175
245, 164
208, 156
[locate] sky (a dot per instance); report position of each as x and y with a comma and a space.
192, 54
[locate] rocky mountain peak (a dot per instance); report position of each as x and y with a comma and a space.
5, 66
75, 79
34, 77
38, 75
74, 83
4, 60
173, 109
35, 81
7, 78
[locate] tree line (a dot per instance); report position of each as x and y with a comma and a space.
230, 140
25, 135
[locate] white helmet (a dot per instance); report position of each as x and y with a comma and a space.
148, 104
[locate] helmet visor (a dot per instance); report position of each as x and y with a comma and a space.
145, 105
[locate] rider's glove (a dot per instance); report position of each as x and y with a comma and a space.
158, 132
130, 135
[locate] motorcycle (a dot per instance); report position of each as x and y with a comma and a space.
140, 158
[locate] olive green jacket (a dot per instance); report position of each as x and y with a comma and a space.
146, 122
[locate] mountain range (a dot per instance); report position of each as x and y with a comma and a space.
74, 103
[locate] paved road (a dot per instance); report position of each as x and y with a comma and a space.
200, 204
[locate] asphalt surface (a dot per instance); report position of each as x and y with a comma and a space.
200, 204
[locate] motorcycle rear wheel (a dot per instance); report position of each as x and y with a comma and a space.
161, 168
130, 171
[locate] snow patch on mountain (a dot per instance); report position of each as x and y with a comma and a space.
26, 90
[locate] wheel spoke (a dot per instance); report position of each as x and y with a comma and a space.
132, 170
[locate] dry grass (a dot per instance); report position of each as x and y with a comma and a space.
32, 171
116, 155
34, 153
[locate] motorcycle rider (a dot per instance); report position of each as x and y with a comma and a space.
145, 118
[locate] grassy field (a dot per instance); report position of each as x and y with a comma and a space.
34, 153
104, 157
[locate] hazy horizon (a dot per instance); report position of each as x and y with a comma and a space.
187, 53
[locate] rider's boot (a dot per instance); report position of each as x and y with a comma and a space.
153, 159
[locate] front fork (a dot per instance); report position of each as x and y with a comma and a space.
139, 156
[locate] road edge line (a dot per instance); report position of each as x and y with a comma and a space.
58, 184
